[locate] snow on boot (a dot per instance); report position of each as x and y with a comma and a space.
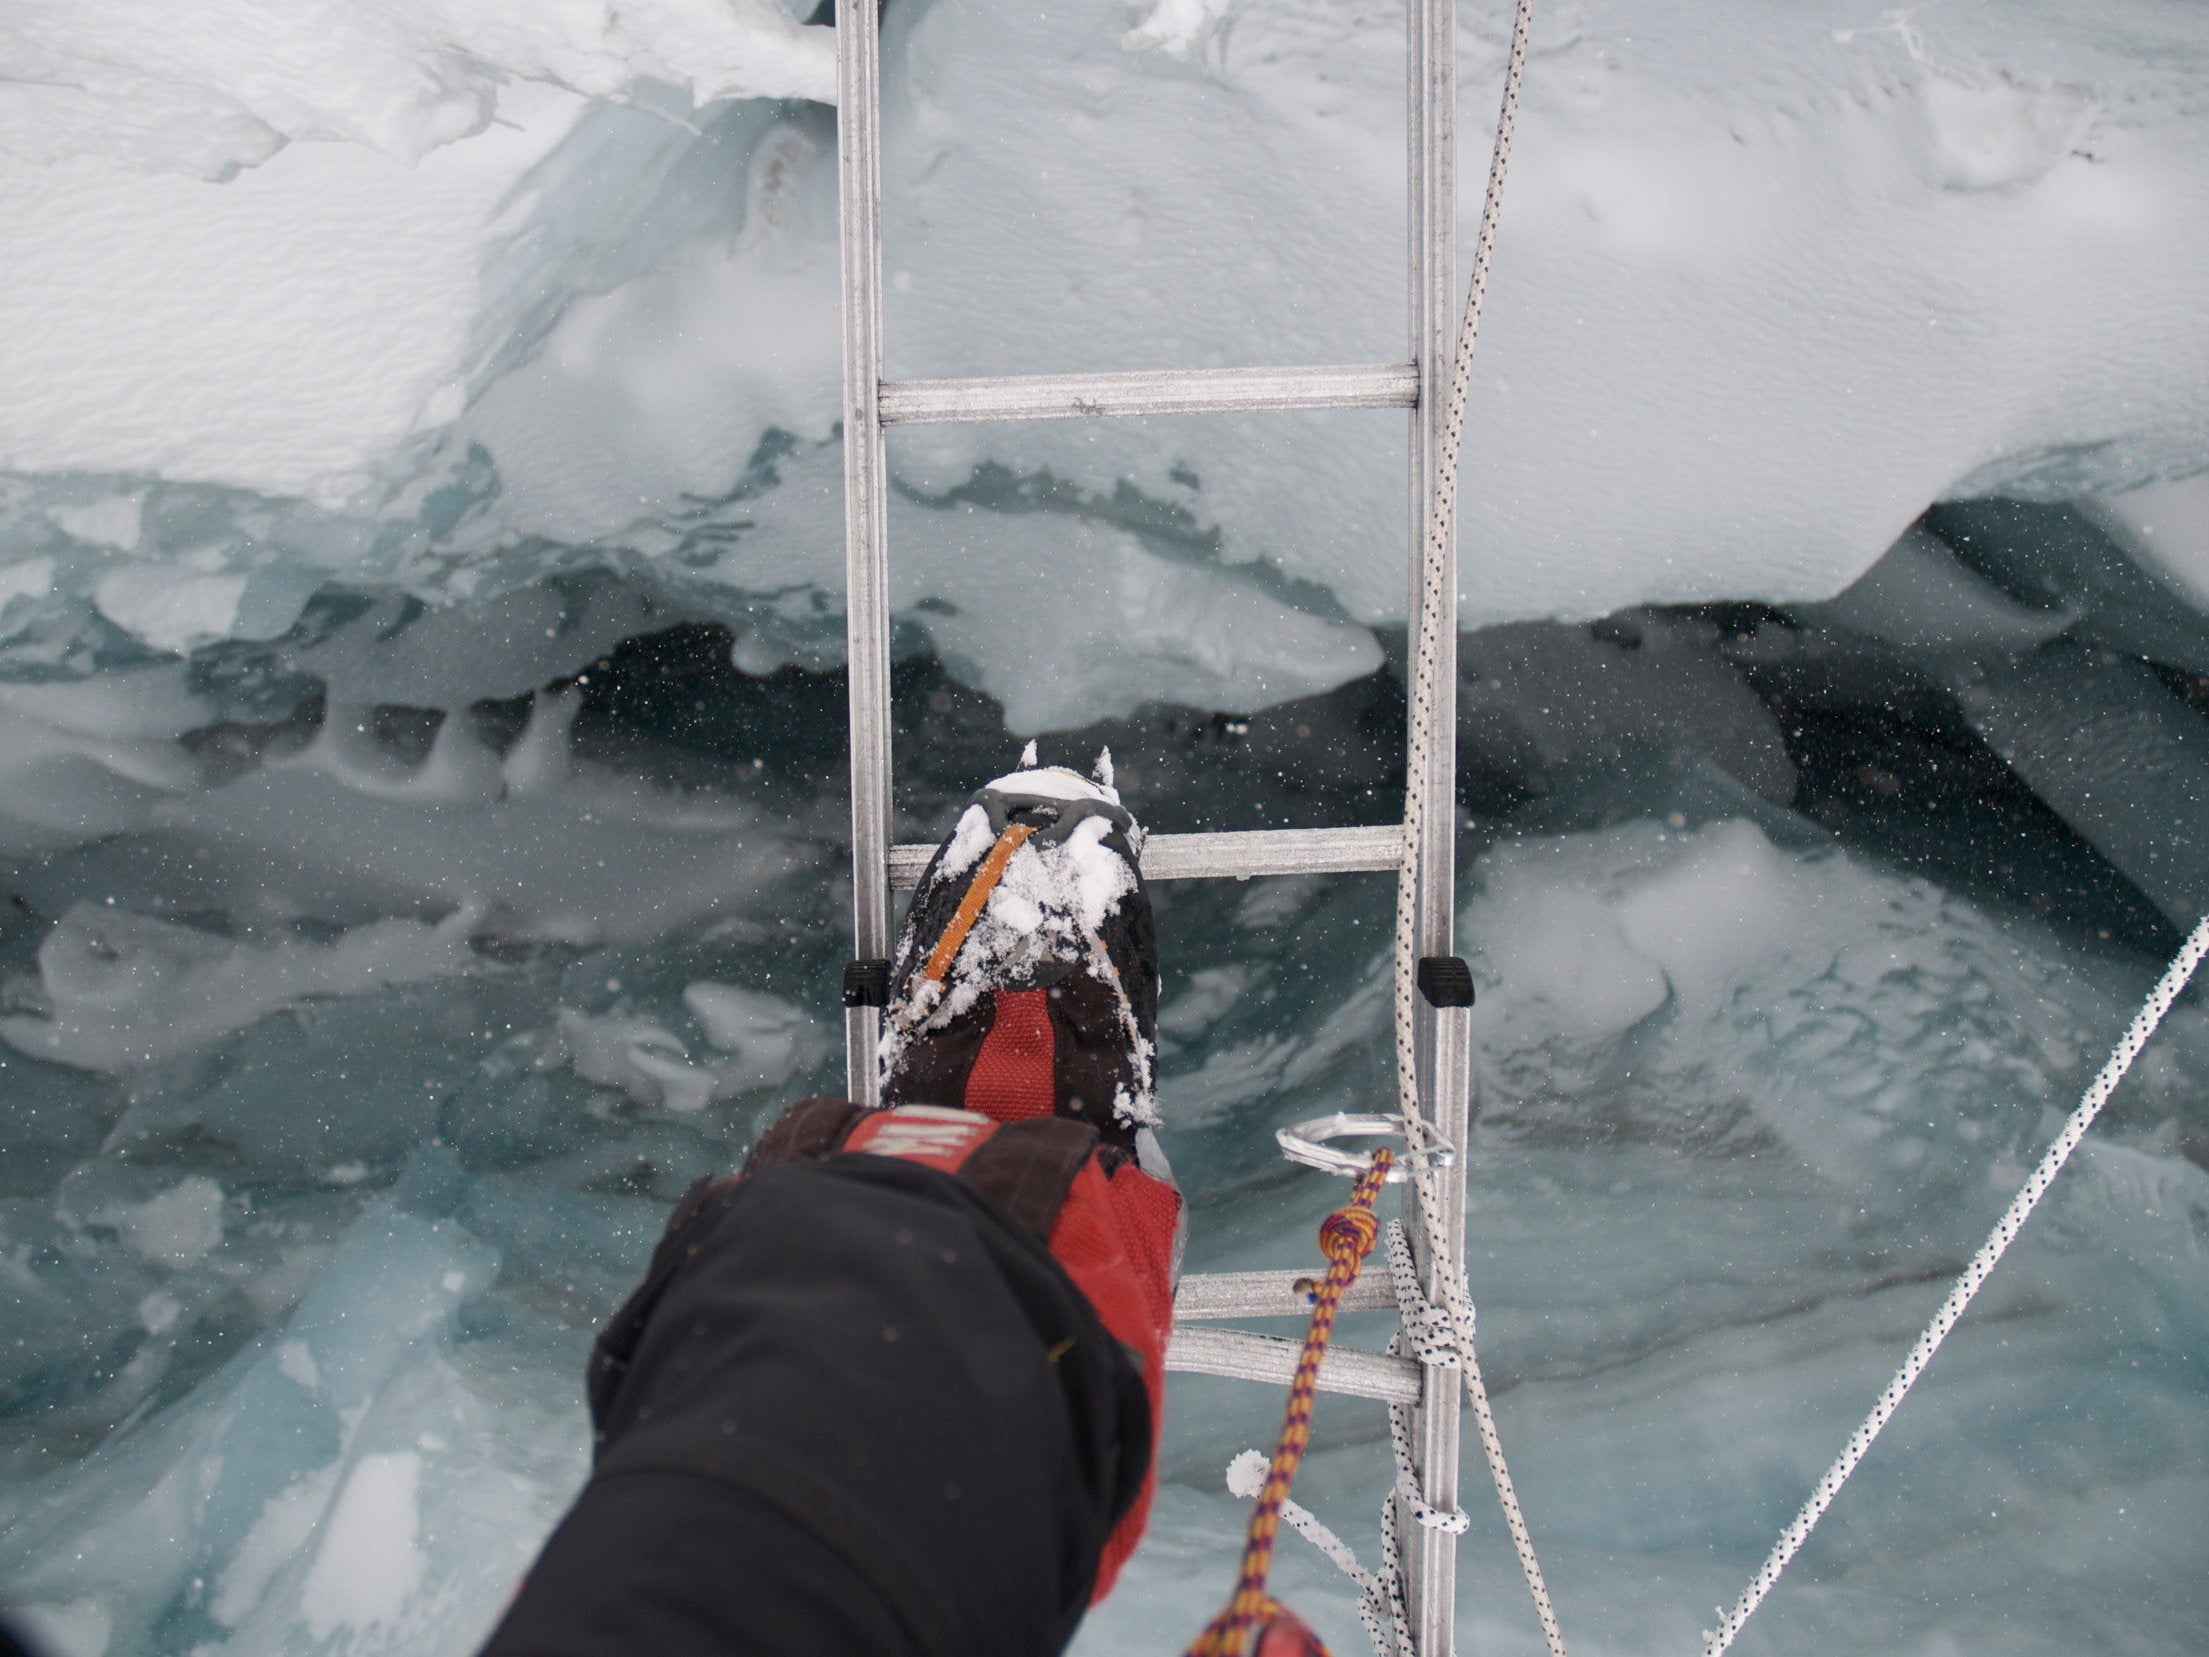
1026, 976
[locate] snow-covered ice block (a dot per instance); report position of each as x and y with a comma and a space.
2166, 527
213, 88
276, 248
1067, 621
1762, 294
771, 1039
118, 990
293, 331
1704, 987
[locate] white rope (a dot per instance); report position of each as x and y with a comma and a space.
1444, 1335
1379, 1608
1451, 1313
1391, 1577
1438, 575
1522, 1540
2005, 1232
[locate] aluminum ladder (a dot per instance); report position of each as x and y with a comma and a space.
872, 404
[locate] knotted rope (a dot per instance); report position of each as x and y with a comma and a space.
1346, 1237
1431, 718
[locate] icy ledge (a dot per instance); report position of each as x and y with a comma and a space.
1771, 281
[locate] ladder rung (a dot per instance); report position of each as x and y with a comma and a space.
1242, 853
1232, 856
1152, 391
1243, 1355
1206, 1295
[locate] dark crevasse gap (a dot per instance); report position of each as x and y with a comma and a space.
1781, 967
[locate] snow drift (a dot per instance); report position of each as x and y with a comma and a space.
530, 288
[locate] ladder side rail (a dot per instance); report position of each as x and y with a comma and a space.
1433, 574
866, 525
1439, 1419
1430, 782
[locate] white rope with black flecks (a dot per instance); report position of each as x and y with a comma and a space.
1437, 610
2028, 1196
1380, 1610
1443, 1335
1438, 578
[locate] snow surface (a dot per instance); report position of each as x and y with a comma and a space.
212, 89
534, 282
1741, 321
369, 1564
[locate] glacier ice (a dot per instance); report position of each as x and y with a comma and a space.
2164, 526
220, 88
336, 1478
1742, 336
421, 831
1749, 1091
2104, 743
1657, 249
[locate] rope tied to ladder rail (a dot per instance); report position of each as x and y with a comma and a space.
1449, 1309
1346, 1237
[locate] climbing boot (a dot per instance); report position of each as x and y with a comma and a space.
1026, 976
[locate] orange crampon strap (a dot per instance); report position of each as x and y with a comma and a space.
977, 894
1346, 1238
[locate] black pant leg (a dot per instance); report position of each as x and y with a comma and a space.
677, 1562
902, 1416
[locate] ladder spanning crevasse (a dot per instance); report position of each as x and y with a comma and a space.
1420, 848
